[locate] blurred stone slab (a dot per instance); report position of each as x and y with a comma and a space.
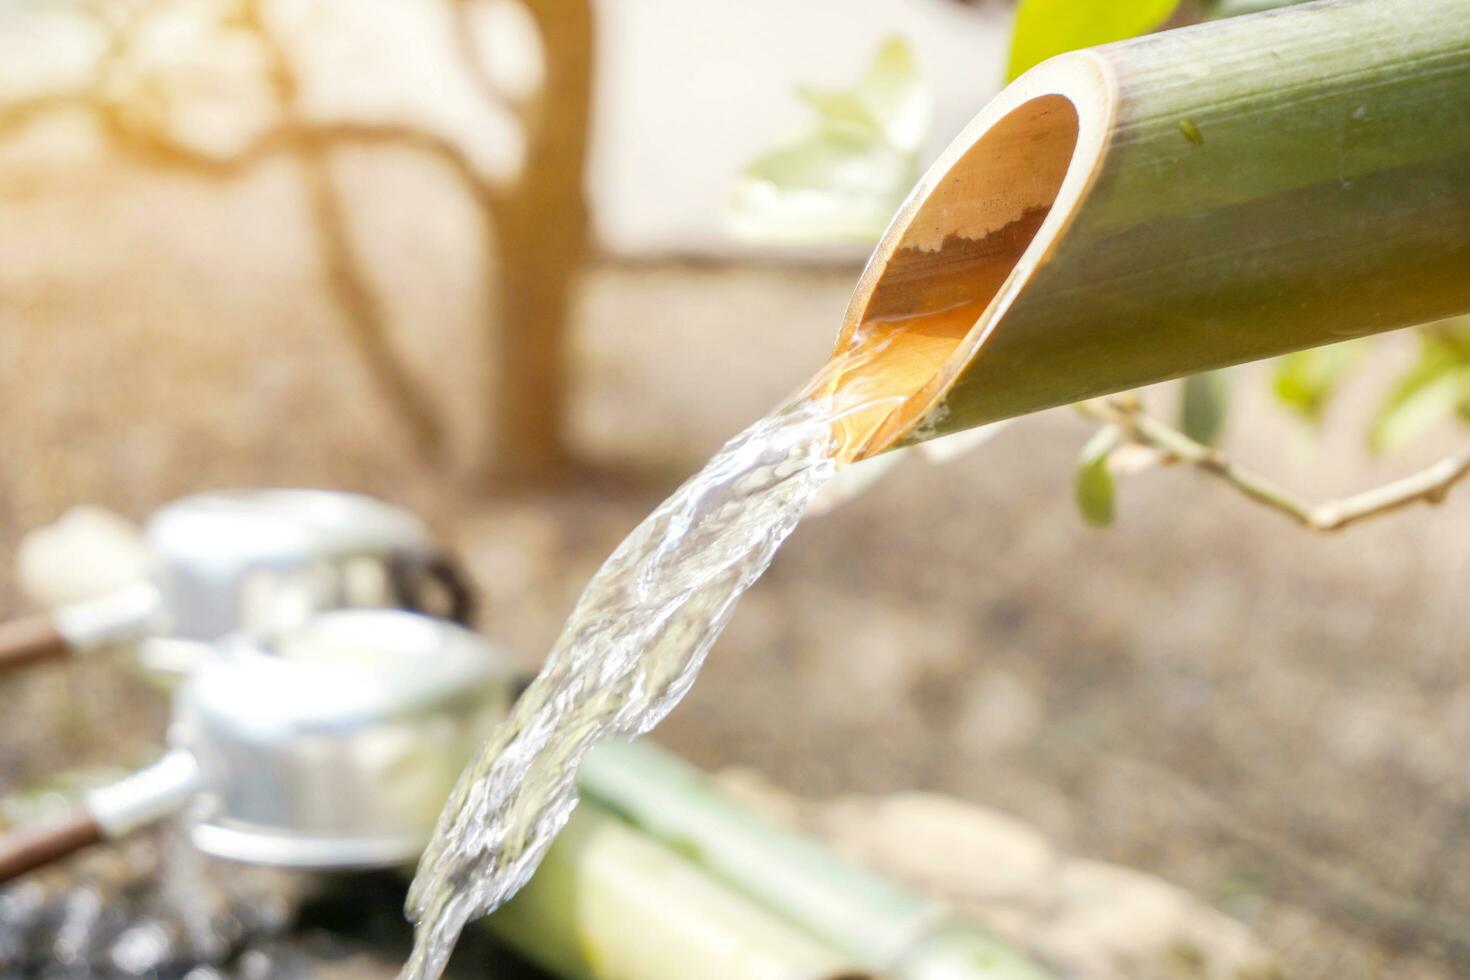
1084, 919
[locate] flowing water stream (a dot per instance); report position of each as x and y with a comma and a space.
629, 652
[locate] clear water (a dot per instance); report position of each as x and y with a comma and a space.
629, 652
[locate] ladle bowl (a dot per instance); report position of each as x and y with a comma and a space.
332, 747
261, 561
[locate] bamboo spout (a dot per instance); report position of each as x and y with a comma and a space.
1168, 205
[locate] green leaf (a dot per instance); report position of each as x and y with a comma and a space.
1203, 405
1049, 27
1437, 386
845, 178
831, 187
1095, 480
841, 110
1418, 403
894, 92
1305, 381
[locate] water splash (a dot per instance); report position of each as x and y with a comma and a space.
629, 652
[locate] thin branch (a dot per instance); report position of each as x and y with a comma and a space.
18, 115
534, 254
472, 60
1429, 486
363, 310
287, 137
348, 281
313, 143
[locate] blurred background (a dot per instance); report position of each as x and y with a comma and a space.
474, 257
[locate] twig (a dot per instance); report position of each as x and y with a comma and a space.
473, 61
364, 312
313, 142
345, 276
1429, 486
287, 137
535, 229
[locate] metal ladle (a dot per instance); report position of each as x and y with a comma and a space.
334, 747
252, 560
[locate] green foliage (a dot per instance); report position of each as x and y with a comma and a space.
1203, 405
1437, 386
1049, 27
843, 179
1094, 479
1305, 381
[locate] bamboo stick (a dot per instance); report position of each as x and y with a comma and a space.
880, 924
1168, 205
608, 903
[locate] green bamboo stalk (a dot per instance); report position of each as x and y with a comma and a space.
1235, 8
1174, 204
608, 903
880, 924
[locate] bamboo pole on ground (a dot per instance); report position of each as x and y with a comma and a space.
608, 903
1168, 205
880, 924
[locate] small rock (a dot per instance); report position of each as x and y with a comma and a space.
89, 551
1083, 919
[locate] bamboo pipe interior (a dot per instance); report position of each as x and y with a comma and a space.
919, 311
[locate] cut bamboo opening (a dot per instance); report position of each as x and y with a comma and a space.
1168, 205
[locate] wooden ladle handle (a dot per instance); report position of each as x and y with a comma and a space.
30, 848
28, 641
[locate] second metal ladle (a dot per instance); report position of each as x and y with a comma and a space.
332, 748
255, 560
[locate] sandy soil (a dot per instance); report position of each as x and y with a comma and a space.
1275, 721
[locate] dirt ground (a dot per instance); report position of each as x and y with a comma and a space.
1275, 721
